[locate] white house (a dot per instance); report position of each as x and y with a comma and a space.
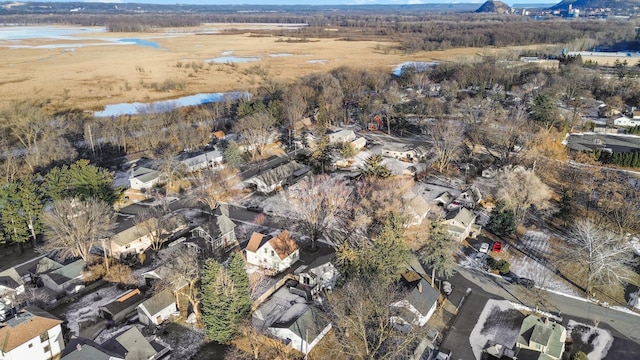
202, 161
305, 332
625, 121
32, 334
219, 233
341, 135
133, 240
419, 304
320, 274
460, 223
65, 280
276, 253
143, 178
158, 308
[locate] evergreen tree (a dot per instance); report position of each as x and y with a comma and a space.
217, 310
233, 155
579, 356
373, 168
81, 180
438, 250
21, 205
238, 273
503, 221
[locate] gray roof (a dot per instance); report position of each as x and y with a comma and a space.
275, 176
10, 278
462, 215
39, 265
131, 345
132, 234
422, 296
145, 174
158, 302
310, 324
204, 158
593, 141
67, 272
84, 349
125, 303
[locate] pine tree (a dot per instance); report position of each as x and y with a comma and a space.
438, 251
217, 288
21, 205
81, 180
502, 222
238, 273
233, 154
373, 168
389, 254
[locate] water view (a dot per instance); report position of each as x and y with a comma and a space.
168, 105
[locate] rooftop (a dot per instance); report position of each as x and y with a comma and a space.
26, 325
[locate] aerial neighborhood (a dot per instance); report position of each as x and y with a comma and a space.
292, 183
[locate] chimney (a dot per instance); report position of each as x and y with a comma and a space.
79, 347
420, 287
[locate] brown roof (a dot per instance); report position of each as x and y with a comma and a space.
219, 134
27, 325
283, 244
255, 242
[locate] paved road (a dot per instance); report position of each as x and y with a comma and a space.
624, 327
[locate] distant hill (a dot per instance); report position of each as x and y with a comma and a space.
594, 4
494, 7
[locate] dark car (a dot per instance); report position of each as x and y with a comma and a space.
254, 208
528, 283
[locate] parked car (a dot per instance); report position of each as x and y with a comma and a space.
528, 283
443, 354
484, 248
254, 208
497, 247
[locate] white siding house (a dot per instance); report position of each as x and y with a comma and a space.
202, 161
158, 308
625, 121
65, 280
143, 178
342, 135
460, 223
32, 334
133, 240
276, 253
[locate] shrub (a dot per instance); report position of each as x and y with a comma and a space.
579, 356
501, 265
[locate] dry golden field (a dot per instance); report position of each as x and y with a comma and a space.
73, 74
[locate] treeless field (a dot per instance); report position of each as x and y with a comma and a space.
93, 70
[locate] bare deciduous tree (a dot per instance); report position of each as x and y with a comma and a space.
447, 136
74, 226
604, 258
361, 321
255, 130
319, 202
184, 277
214, 186
519, 189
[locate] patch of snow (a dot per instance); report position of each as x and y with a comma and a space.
536, 242
317, 61
544, 278
521, 307
86, 308
479, 335
600, 339
635, 244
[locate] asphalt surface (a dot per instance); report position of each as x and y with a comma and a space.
625, 327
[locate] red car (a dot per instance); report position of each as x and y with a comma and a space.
497, 247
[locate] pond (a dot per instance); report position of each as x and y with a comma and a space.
45, 32
232, 59
419, 66
140, 42
168, 105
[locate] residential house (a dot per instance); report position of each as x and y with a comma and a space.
142, 178
84, 349
65, 280
341, 136
208, 159
320, 274
416, 207
133, 239
289, 316
158, 308
444, 199
419, 303
469, 198
132, 345
407, 153
359, 143
31, 270
541, 337
627, 122
11, 285
32, 334
274, 179
123, 307
276, 253
218, 233
460, 224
